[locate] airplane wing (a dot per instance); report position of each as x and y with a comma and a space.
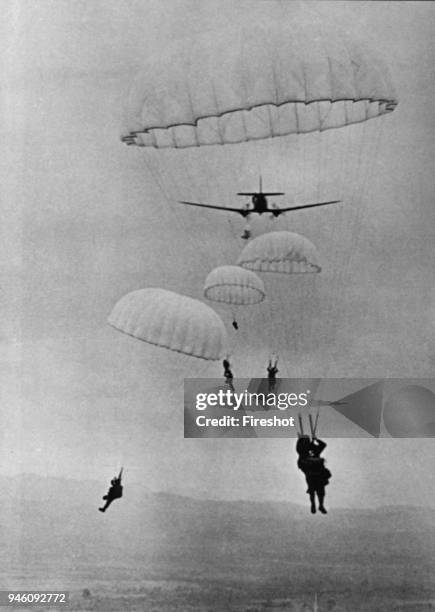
241, 211
281, 210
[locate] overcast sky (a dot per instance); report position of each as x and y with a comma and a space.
83, 223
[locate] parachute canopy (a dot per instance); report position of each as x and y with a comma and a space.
170, 320
283, 252
234, 285
248, 83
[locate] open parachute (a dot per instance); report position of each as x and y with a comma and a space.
255, 82
234, 285
172, 321
282, 252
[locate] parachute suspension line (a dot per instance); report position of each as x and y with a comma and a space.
235, 234
300, 185
304, 167
309, 309
186, 213
353, 171
371, 164
288, 301
292, 169
319, 154
326, 306
316, 422
275, 180
270, 315
362, 200
216, 181
333, 152
320, 146
312, 430
286, 368
309, 304
332, 173
360, 181
271, 318
287, 147
358, 200
117, 458
301, 425
163, 181
244, 318
284, 332
303, 295
266, 315
280, 338
232, 217
212, 193
348, 179
345, 162
356, 197
157, 173
296, 286
285, 342
209, 260
307, 339
217, 187
258, 161
302, 318
312, 422
258, 318
312, 306
163, 191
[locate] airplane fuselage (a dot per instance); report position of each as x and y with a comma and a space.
260, 203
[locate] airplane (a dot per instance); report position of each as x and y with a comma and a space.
259, 203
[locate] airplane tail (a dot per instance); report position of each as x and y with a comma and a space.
253, 193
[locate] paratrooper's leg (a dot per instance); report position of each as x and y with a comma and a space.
106, 505
321, 498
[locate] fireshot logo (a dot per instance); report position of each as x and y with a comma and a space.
245, 400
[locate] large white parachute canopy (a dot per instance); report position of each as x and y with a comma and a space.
255, 82
234, 285
172, 321
282, 252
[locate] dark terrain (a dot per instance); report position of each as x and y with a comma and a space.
168, 552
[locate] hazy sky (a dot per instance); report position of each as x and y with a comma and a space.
83, 223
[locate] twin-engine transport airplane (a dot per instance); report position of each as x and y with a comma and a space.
259, 204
